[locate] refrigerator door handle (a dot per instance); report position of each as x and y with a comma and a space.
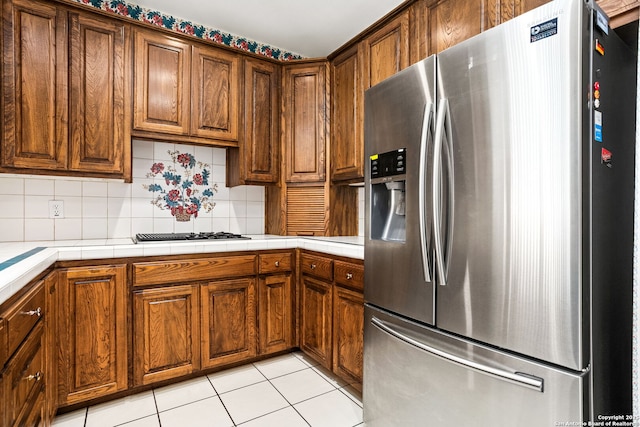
424, 238
517, 378
443, 136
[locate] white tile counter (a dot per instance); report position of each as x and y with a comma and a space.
21, 262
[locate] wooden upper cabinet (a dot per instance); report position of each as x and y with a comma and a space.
347, 116
378, 56
453, 21
304, 104
187, 92
214, 93
162, 83
255, 161
99, 58
509, 9
386, 51
34, 89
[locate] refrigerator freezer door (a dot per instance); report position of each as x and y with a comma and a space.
415, 376
399, 115
516, 105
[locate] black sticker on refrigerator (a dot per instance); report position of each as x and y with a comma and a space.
544, 30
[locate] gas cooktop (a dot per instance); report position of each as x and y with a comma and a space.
165, 237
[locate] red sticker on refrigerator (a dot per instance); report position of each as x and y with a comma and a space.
606, 157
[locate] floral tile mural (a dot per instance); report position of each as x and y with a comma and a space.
184, 192
159, 19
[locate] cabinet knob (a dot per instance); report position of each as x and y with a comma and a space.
349, 276
37, 377
277, 263
36, 312
313, 266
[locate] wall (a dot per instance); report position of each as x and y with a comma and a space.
101, 209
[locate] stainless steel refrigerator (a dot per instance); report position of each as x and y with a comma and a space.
499, 228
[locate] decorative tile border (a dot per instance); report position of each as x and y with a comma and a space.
154, 17
16, 259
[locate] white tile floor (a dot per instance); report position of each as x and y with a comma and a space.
284, 391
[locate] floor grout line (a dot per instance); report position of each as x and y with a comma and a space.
328, 377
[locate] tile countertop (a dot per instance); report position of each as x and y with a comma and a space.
21, 262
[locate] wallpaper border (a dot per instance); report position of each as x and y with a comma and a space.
159, 19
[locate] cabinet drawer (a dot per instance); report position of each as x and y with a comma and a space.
349, 274
317, 266
24, 379
23, 316
180, 271
274, 263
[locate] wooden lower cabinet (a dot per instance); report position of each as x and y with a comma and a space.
275, 317
348, 338
93, 332
228, 321
166, 337
24, 385
51, 334
316, 319
331, 318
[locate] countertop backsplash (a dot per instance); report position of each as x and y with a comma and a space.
111, 209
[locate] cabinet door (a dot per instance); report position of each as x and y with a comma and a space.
512, 8
348, 334
99, 132
215, 90
347, 118
453, 21
256, 160
162, 84
315, 319
24, 379
228, 321
166, 333
93, 332
387, 50
52, 349
274, 313
304, 130
35, 85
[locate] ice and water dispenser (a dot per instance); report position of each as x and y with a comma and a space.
388, 179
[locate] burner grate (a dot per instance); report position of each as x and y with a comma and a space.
166, 237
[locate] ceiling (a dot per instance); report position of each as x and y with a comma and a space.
310, 28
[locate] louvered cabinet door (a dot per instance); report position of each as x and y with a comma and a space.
307, 211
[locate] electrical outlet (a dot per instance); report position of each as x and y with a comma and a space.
56, 209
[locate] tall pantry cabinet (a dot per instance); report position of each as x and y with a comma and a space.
304, 202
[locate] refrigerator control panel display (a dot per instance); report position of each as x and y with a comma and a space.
389, 163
